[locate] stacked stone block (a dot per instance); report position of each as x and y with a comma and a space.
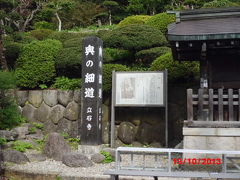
58, 110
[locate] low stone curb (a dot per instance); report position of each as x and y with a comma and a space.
16, 174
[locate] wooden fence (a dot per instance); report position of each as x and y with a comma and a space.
213, 108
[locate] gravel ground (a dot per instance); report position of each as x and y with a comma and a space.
56, 167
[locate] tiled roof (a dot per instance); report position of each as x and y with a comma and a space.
206, 26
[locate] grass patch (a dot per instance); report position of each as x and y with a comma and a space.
3, 141
108, 157
22, 146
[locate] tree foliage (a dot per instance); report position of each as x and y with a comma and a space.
148, 55
138, 19
134, 37
219, 3
161, 21
112, 54
36, 64
9, 115
107, 74
176, 70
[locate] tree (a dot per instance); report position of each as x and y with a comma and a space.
146, 6
110, 5
3, 62
58, 6
136, 7
85, 14
18, 14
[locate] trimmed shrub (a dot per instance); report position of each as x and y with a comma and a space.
41, 34
63, 36
36, 63
9, 114
74, 42
219, 3
65, 83
23, 37
135, 37
12, 52
161, 21
7, 81
111, 54
107, 74
148, 55
103, 34
68, 62
176, 70
43, 25
138, 19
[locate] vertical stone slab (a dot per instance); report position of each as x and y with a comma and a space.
91, 126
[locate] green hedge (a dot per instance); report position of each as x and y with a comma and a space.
12, 52
41, 34
176, 70
65, 83
148, 55
23, 37
36, 63
134, 37
161, 21
112, 54
138, 19
73, 42
68, 62
43, 25
219, 3
63, 36
107, 74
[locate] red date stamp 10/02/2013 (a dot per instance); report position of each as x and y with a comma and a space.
197, 161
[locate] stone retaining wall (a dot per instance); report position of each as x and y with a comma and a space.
58, 110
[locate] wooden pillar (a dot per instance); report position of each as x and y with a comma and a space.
204, 67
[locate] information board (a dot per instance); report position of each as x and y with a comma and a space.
139, 88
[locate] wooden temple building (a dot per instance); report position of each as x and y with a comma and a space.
212, 37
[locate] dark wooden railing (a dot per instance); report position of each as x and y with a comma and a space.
213, 108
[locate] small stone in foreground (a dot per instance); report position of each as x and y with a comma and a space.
36, 157
21, 132
56, 147
14, 156
97, 158
76, 160
8, 135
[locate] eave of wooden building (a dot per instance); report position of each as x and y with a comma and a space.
212, 37
206, 24
205, 33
